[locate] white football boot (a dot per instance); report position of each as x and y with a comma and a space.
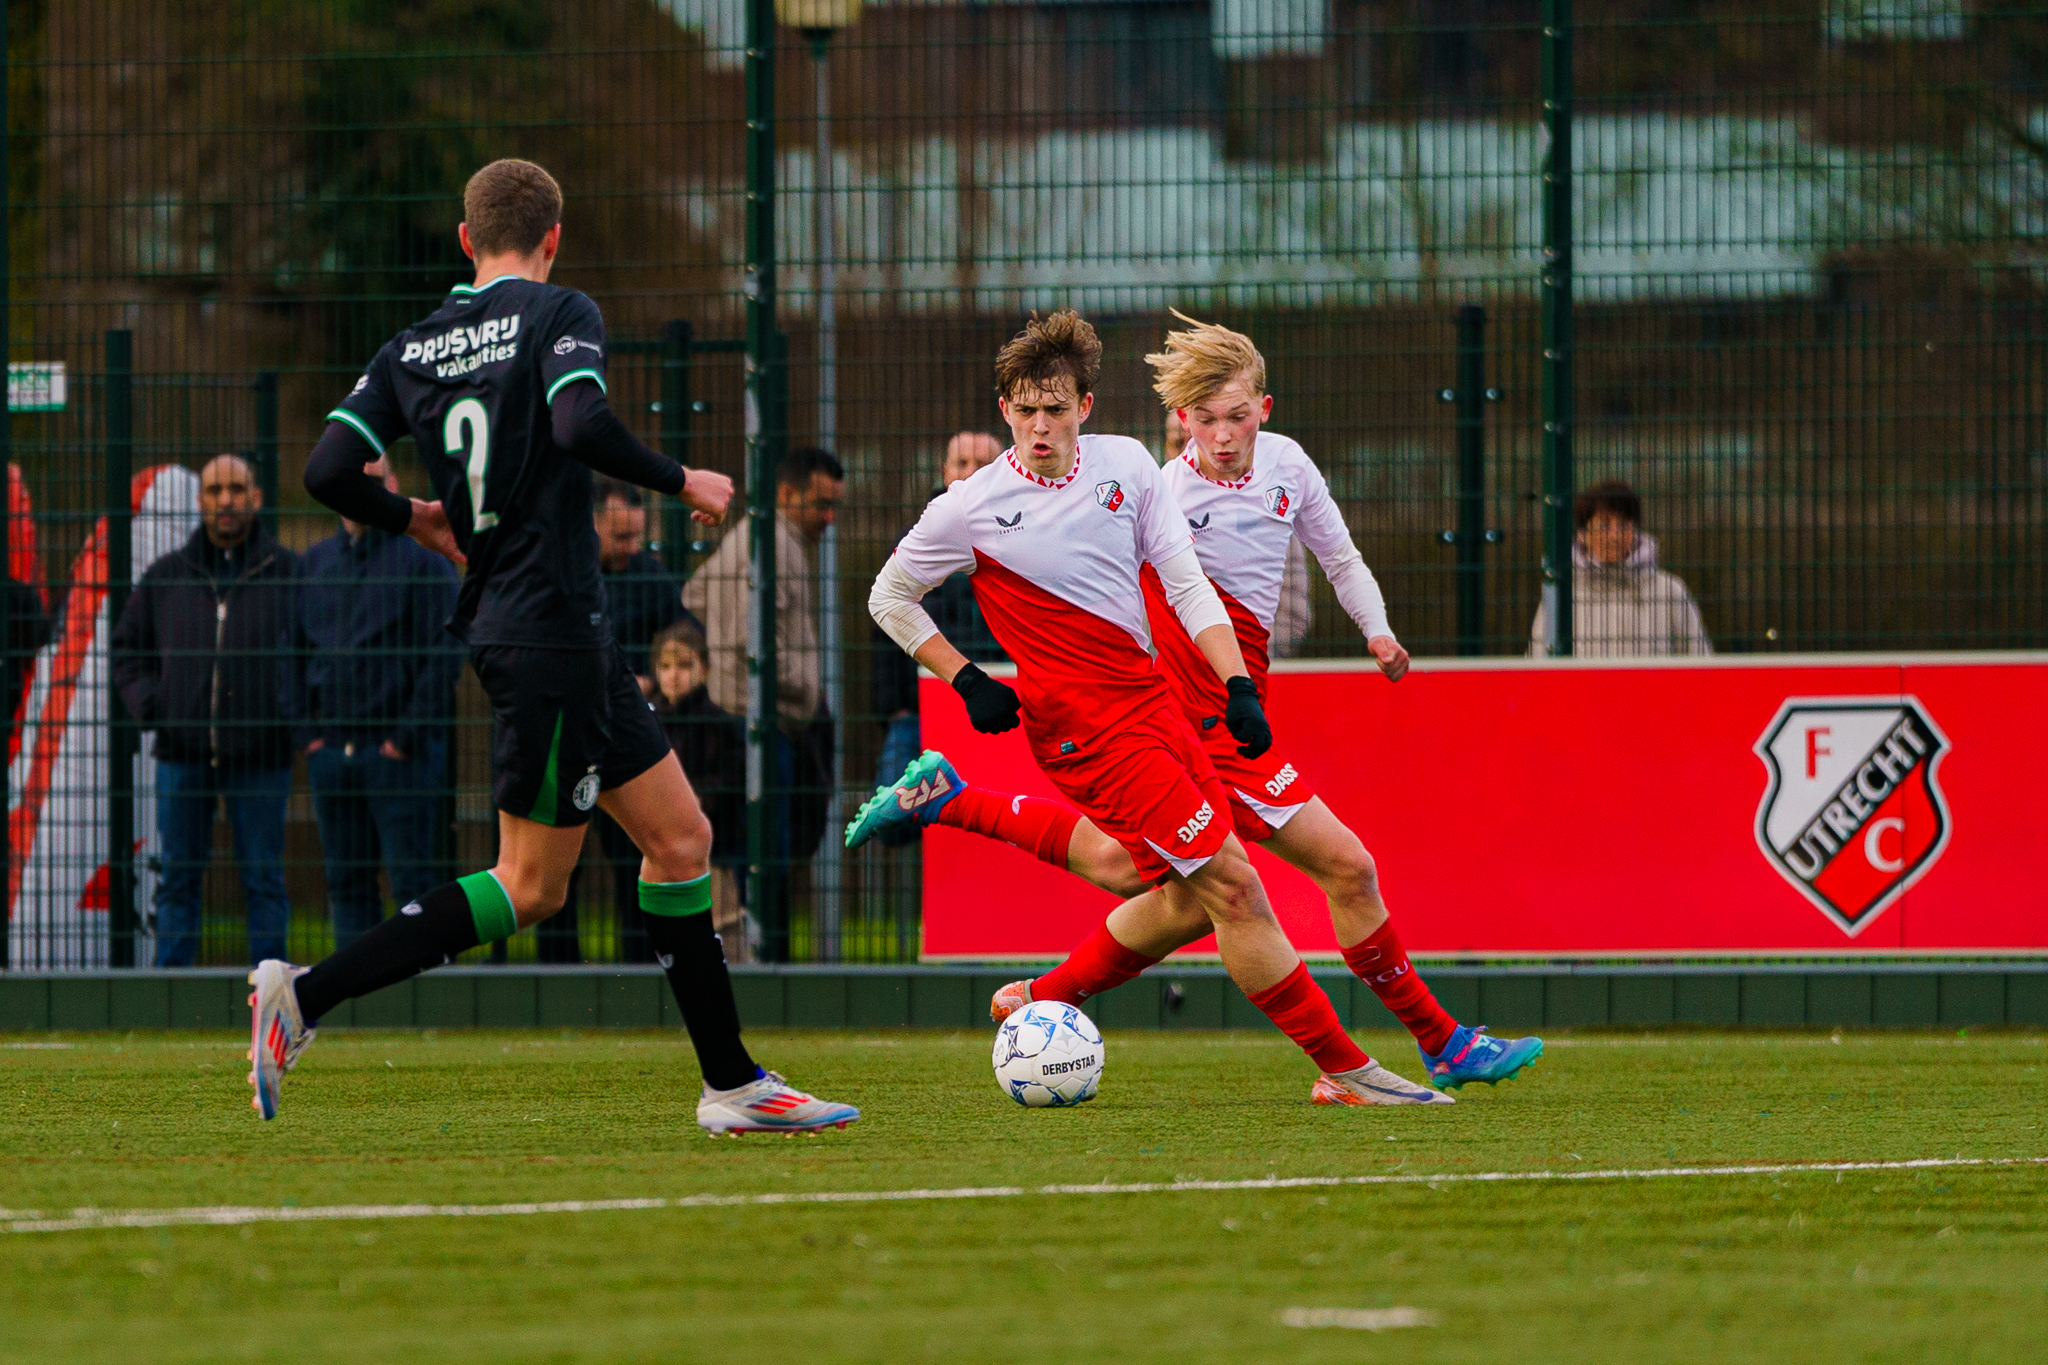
277, 1031
1372, 1084
770, 1105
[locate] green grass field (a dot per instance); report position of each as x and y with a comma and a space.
1941, 1264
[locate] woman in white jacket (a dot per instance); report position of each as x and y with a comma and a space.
1622, 603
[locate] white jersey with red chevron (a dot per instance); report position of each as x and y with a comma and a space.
1241, 529
57, 899
1055, 567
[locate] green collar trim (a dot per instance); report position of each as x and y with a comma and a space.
467, 289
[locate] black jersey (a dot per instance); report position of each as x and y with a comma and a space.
471, 385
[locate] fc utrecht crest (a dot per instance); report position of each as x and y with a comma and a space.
1110, 494
1277, 501
1853, 814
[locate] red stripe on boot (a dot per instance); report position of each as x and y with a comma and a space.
1306, 1015
1044, 829
1382, 963
1097, 965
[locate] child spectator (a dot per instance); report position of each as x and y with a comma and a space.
711, 744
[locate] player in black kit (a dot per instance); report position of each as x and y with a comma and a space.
502, 389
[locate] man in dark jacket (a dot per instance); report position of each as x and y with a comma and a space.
196, 656
372, 690
641, 598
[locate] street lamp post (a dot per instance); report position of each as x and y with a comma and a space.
819, 20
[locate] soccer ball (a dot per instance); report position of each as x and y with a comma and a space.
1048, 1055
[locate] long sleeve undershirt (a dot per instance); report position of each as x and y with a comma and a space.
335, 478
583, 425
1358, 592
894, 601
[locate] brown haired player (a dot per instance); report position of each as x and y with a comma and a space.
1060, 536
1245, 493
502, 389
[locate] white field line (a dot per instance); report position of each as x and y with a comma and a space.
222, 1215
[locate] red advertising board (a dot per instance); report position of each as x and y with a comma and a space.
1816, 804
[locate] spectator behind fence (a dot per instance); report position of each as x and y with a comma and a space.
809, 486
197, 658
371, 693
957, 615
1622, 603
641, 599
640, 596
1290, 621
711, 744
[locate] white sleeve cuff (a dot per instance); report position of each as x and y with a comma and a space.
1190, 593
896, 604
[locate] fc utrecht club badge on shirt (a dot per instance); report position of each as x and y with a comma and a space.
1277, 501
1110, 494
1853, 814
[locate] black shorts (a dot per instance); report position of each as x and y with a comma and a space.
565, 725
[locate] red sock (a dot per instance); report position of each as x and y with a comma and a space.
1094, 967
1382, 963
1041, 828
1306, 1015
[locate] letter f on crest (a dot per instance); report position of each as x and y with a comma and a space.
1815, 750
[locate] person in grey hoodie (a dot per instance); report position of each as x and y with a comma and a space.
1622, 603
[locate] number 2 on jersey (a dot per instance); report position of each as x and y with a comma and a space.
476, 441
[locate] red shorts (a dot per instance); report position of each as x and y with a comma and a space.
1265, 792
1149, 786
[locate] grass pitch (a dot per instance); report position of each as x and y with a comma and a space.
1942, 1264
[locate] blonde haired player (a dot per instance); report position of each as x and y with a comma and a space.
1245, 494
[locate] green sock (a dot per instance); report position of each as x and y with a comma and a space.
676, 899
489, 906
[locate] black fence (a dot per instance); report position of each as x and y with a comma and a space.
1778, 268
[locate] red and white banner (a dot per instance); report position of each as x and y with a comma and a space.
57, 823
1844, 805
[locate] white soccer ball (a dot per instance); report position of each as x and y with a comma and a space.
1048, 1055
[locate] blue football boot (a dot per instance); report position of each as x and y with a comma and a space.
1473, 1054
914, 799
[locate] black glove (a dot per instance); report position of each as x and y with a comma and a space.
1246, 719
992, 707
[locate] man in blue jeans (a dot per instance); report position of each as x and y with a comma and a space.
195, 657
371, 692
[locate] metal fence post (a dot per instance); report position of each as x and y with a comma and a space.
120, 405
763, 435
266, 446
830, 867
1557, 325
1471, 399
675, 436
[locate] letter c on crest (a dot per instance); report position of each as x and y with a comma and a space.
1873, 844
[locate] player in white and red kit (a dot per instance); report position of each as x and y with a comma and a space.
1245, 494
1060, 536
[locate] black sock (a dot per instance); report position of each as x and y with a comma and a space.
689, 952
426, 933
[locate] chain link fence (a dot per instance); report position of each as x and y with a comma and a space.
1801, 256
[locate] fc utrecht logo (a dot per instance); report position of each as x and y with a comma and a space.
1110, 494
1277, 501
1853, 814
